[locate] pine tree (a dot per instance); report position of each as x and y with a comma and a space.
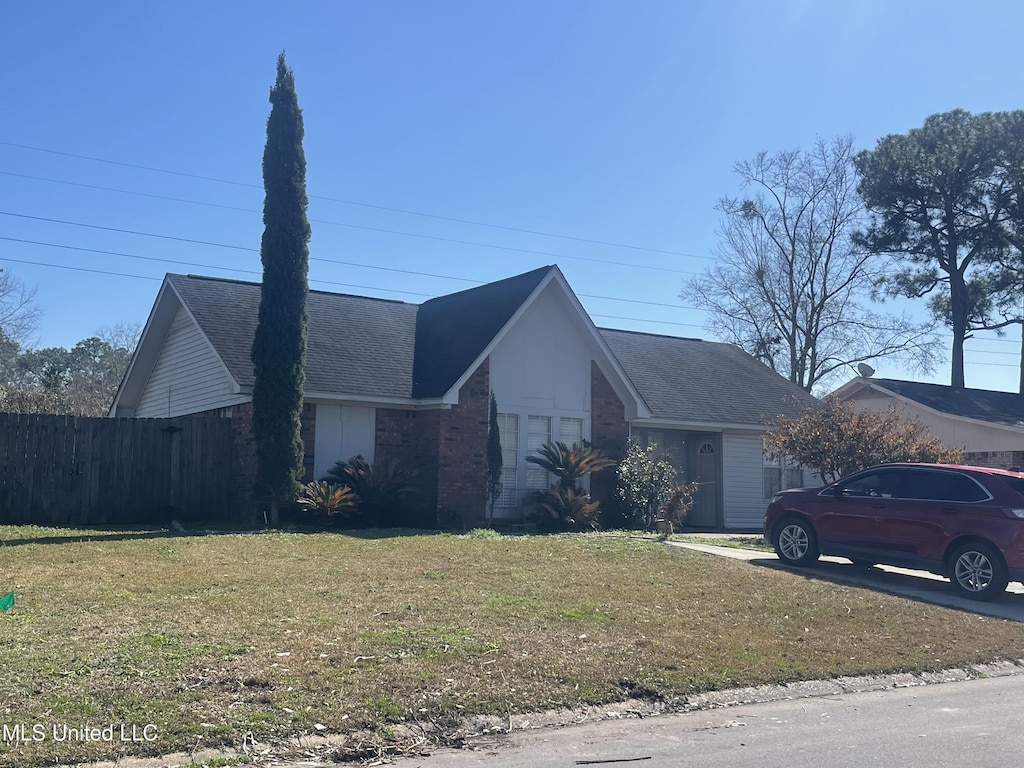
279, 347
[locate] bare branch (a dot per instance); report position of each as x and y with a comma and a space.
789, 282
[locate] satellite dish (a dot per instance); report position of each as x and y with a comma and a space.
865, 370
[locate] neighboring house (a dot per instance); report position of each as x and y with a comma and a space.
988, 425
409, 383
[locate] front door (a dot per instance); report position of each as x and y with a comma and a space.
705, 467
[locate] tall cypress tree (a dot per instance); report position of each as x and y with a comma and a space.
279, 347
494, 458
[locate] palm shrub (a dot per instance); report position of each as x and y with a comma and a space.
567, 509
386, 494
327, 498
570, 463
565, 505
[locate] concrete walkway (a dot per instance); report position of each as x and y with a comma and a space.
915, 585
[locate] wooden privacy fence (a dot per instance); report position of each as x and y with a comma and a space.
67, 470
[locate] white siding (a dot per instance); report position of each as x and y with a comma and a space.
342, 431
542, 365
188, 376
742, 463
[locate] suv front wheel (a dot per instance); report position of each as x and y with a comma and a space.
977, 571
795, 542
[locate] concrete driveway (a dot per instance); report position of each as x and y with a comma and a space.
915, 585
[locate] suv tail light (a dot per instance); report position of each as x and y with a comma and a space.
1016, 512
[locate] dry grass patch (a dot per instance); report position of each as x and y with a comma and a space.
213, 637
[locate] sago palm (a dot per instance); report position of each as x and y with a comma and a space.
570, 462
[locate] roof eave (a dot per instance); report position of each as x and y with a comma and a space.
867, 384
714, 426
410, 403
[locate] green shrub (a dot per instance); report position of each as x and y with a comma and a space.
645, 484
483, 533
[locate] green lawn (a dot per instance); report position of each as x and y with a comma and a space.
210, 638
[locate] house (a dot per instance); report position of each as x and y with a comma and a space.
988, 425
410, 383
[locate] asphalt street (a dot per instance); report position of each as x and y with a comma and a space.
972, 723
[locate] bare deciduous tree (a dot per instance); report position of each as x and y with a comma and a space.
788, 286
19, 313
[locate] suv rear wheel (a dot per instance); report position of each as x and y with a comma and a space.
977, 571
795, 542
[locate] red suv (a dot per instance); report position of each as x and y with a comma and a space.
965, 523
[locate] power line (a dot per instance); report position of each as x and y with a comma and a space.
76, 269
256, 250
178, 262
126, 231
361, 204
149, 277
606, 262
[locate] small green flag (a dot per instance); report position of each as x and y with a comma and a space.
6, 601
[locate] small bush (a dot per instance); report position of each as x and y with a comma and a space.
483, 533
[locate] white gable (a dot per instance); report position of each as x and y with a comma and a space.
542, 363
187, 377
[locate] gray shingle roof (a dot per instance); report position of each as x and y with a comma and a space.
982, 404
703, 381
355, 345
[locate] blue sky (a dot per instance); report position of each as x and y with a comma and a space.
442, 137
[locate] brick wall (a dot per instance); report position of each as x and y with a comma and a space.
462, 455
410, 439
609, 429
995, 459
445, 450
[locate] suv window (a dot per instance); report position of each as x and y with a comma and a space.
878, 485
933, 485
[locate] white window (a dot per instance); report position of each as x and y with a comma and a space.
508, 433
570, 431
538, 432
